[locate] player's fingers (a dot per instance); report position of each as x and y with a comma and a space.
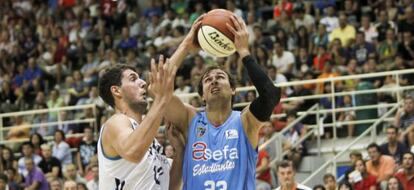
236, 23
231, 28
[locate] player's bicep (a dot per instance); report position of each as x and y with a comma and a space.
179, 114
118, 131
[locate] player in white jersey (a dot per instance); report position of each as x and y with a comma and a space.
129, 155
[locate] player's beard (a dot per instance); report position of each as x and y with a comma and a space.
140, 107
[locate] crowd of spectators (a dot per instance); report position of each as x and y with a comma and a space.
52, 52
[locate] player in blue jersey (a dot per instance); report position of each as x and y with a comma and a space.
221, 149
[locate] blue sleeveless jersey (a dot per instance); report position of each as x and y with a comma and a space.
219, 158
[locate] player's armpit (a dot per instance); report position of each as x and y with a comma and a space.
251, 126
179, 114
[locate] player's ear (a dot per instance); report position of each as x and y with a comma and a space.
116, 91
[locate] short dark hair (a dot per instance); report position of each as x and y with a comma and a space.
284, 164
355, 153
402, 155
393, 127
328, 175
111, 77
321, 187
62, 133
208, 70
374, 145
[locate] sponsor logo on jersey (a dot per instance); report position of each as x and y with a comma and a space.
201, 152
201, 130
232, 134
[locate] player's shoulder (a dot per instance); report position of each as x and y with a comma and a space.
117, 120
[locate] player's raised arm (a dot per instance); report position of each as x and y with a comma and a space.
133, 144
177, 112
261, 108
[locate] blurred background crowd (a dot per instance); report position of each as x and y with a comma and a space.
52, 52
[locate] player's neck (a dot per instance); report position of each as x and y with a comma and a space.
217, 116
137, 116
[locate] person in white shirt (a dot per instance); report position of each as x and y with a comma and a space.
283, 60
286, 176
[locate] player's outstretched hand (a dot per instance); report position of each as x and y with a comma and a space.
161, 79
190, 41
241, 35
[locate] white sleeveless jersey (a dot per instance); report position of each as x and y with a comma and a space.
151, 173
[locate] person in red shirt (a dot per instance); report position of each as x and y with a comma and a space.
282, 6
406, 174
263, 179
368, 181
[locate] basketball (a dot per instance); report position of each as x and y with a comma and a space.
213, 35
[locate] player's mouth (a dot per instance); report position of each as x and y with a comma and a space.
215, 90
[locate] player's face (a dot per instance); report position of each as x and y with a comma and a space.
286, 176
216, 86
133, 88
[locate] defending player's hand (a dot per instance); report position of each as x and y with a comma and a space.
241, 35
162, 78
176, 138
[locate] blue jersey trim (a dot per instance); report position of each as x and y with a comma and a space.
113, 158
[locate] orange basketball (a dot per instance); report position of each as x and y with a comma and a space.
213, 35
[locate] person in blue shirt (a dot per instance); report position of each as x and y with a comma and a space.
221, 149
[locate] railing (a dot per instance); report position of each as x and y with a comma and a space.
333, 161
277, 138
59, 121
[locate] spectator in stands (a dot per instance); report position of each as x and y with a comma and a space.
291, 137
363, 180
345, 32
383, 25
407, 23
70, 185
27, 152
283, 60
94, 183
380, 166
329, 182
406, 47
286, 176
393, 147
71, 174
81, 186
37, 142
406, 174
14, 178
331, 21
35, 178
56, 184
7, 158
61, 149
369, 29
319, 187
49, 162
361, 50
87, 148
19, 130
263, 177
3, 182
388, 48
394, 184
55, 101
405, 118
